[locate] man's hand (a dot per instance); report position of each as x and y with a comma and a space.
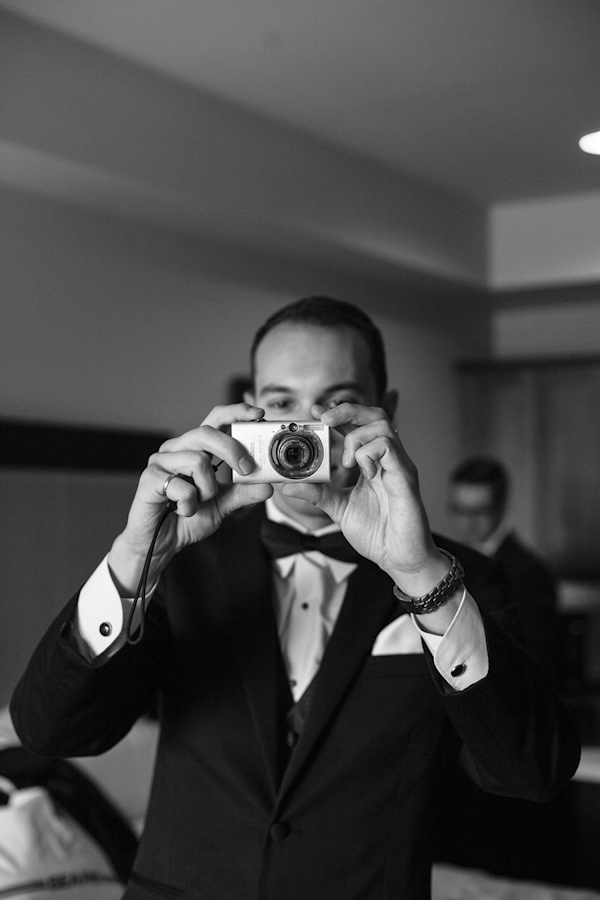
202, 502
382, 515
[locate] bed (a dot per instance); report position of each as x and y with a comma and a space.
68, 829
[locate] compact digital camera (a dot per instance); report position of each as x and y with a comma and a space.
285, 451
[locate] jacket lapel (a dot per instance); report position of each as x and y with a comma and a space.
369, 605
249, 588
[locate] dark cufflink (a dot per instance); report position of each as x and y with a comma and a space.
105, 629
458, 670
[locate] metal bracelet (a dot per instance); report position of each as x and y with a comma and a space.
439, 594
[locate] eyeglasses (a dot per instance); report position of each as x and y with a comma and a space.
472, 512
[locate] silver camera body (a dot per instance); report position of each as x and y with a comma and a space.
285, 451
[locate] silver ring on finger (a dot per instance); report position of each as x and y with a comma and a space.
167, 482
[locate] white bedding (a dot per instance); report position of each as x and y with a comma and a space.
454, 883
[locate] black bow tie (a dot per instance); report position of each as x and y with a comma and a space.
280, 540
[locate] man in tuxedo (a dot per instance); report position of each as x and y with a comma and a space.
308, 702
479, 498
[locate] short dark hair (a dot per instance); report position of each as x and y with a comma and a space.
484, 470
330, 313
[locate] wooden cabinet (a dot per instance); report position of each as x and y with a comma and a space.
542, 419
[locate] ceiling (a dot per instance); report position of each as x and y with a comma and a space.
486, 98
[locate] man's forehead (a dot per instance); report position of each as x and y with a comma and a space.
472, 494
281, 386
293, 353
341, 343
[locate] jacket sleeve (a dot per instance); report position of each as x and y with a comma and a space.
520, 739
66, 706
518, 736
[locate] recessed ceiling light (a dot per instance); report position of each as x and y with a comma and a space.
590, 143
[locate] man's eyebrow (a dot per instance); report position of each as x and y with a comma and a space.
276, 389
330, 389
344, 386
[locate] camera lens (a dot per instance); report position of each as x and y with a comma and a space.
296, 454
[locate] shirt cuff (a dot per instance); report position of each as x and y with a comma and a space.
102, 613
460, 655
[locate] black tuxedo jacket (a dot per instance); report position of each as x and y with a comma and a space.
232, 815
532, 586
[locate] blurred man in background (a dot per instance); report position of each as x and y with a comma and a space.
479, 495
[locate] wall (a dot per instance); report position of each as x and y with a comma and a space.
111, 322
109, 325
544, 242
547, 331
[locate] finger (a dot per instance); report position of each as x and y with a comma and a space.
234, 496
385, 453
319, 494
352, 414
363, 435
194, 478
181, 490
221, 416
208, 440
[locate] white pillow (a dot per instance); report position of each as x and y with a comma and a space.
455, 883
46, 855
123, 773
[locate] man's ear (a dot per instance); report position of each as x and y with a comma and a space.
389, 403
249, 398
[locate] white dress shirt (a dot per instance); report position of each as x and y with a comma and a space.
491, 545
309, 590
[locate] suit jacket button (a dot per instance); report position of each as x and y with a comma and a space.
279, 831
